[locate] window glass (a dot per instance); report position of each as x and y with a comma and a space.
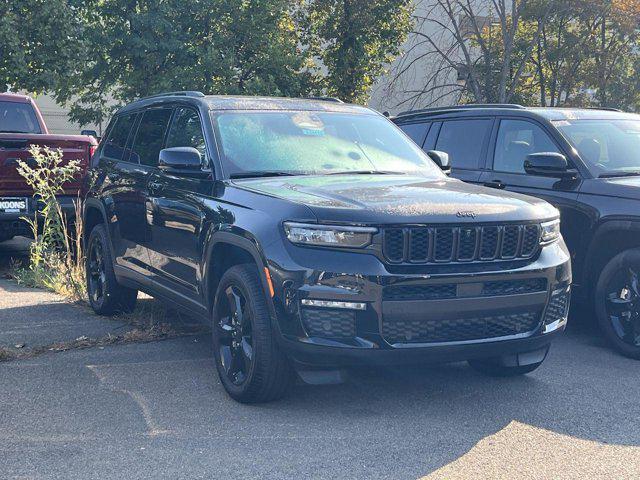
186, 131
301, 142
609, 147
463, 141
516, 140
18, 118
116, 142
416, 131
150, 136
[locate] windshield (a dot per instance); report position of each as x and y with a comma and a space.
18, 118
609, 147
301, 143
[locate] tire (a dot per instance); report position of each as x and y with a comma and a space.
251, 366
492, 367
106, 296
617, 302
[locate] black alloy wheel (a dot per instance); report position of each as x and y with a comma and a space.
96, 275
234, 334
250, 364
618, 302
106, 295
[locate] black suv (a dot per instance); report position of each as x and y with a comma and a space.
585, 162
315, 235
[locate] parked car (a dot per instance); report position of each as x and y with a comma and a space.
585, 162
314, 235
22, 125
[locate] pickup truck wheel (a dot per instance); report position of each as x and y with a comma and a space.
251, 367
106, 296
618, 302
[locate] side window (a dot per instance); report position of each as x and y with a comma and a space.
416, 131
517, 139
186, 131
463, 140
150, 136
116, 142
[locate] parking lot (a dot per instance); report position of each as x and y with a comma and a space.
145, 410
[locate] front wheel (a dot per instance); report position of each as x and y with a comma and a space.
618, 302
251, 366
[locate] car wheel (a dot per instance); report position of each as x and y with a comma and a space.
493, 367
618, 302
106, 296
251, 366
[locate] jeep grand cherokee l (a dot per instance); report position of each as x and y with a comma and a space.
315, 235
585, 162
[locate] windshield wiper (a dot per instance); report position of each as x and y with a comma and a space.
620, 174
365, 172
261, 173
13, 131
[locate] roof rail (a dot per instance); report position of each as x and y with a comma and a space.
185, 93
607, 109
468, 106
324, 99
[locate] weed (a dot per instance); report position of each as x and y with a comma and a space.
56, 257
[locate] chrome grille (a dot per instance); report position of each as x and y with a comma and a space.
460, 244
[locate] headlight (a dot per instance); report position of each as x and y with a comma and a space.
329, 235
550, 231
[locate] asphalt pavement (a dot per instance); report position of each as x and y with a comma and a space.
157, 410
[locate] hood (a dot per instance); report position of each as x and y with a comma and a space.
621, 187
389, 199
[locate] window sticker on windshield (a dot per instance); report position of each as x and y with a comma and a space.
561, 123
309, 123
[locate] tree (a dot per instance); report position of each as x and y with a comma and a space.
40, 43
143, 47
355, 41
470, 49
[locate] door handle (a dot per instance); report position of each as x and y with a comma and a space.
495, 184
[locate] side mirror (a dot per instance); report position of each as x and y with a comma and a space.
441, 159
548, 164
180, 160
90, 133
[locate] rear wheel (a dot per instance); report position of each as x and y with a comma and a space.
618, 302
251, 366
106, 296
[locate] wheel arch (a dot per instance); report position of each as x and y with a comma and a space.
226, 249
93, 214
610, 238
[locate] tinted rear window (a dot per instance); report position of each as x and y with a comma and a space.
150, 136
416, 131
116, 142
463, 140
18, 118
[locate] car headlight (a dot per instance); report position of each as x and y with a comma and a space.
329, 235
550, 231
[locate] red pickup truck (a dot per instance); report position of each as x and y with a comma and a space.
22, 125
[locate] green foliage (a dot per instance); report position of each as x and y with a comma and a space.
40, 43
56, 260
143, 47
356, 40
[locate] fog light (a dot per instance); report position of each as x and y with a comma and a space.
333, 304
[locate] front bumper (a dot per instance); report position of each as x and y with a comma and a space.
467, 312
13, 224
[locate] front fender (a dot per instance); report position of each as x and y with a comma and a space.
240, 238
